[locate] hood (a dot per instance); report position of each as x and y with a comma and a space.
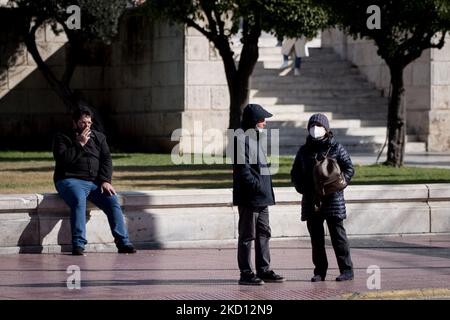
252, 113
319, 118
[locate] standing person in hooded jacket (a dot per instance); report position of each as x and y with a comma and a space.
253, 193
329, 208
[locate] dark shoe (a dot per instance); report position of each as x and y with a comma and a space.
127, 249
250, 279
345, 276
78, 251
271, 276
317, 278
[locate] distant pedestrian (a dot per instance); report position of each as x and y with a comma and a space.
316, 208
296, 46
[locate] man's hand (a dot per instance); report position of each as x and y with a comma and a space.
107, 187
84, 137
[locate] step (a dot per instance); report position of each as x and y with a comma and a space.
277, 56
304, 116
319, 93
304, 84
305, 65
341, 123
274, 50
367, 148
413, 147
361, 131
274, 68
373, 114
306, 72
347, 140
345, 109
315, 100
410, 147
296, 116
278, 77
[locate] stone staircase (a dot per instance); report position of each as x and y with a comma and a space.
356, 109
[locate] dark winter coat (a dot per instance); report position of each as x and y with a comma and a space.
90, 162
252, 186
332, 205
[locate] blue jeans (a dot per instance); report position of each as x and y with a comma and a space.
75, 193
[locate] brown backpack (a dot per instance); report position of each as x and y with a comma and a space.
328, 177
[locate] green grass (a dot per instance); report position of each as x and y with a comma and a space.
31, 172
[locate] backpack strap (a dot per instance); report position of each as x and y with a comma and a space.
328, 151
326, 154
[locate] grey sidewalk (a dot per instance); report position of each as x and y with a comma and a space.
412, 266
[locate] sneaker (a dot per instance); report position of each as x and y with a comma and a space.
250, 279
296, 72
78, 251
271, 276
345, 276
284, 64
317, 278
127, 249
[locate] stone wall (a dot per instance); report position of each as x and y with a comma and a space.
145, 85
439, 115
153, 79
206, 95
426, 85
29, 109
182, 218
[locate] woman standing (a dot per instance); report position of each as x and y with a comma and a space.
330, 208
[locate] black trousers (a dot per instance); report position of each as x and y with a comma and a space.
338, 240
254, 225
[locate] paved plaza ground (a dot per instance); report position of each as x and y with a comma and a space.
410, 267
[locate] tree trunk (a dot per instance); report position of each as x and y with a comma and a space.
396, 118
238, 90
238, 80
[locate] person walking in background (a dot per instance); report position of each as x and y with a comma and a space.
83, 171
321, 143
253, 193
299, 47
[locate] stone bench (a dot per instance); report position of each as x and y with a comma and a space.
206, 217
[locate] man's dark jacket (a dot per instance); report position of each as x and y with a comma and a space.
250, 187
333, 205
90, 162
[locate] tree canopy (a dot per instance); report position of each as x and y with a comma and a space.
406, 29
407, 26
98, 21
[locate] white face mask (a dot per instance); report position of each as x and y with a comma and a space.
317, 132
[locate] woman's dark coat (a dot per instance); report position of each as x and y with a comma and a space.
332, 205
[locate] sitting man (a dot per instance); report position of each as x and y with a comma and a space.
83, 171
